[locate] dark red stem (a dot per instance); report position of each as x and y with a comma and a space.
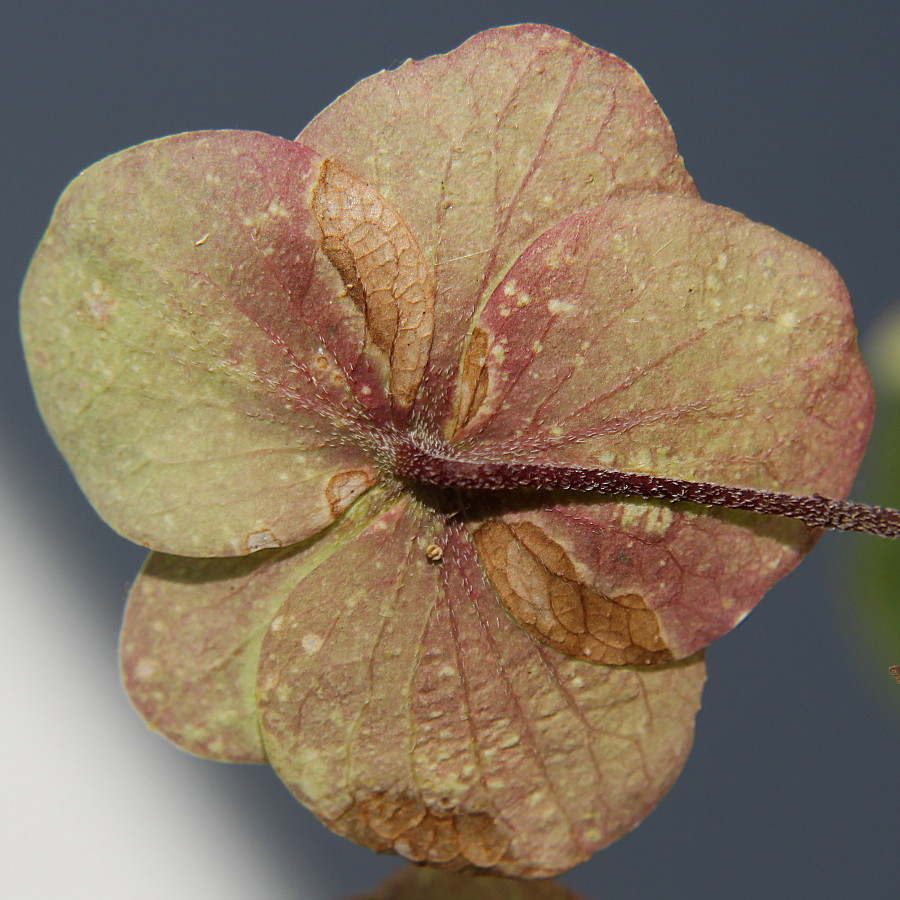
417, 465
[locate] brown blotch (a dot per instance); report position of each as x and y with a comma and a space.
480, 840
473, 379
343, 488
383, 270
460, 841
389, 816
433, 840
539, 585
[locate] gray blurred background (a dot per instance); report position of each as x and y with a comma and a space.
787, 112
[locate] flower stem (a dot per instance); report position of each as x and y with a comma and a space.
816, 511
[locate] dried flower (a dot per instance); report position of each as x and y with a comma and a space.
346, 387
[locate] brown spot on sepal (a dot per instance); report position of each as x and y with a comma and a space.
384, 273
342, 489
389, 816
539, 585
473, 380
459, 841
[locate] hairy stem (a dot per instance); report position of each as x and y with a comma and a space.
416, 465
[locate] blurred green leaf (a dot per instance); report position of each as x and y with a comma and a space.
875, 564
